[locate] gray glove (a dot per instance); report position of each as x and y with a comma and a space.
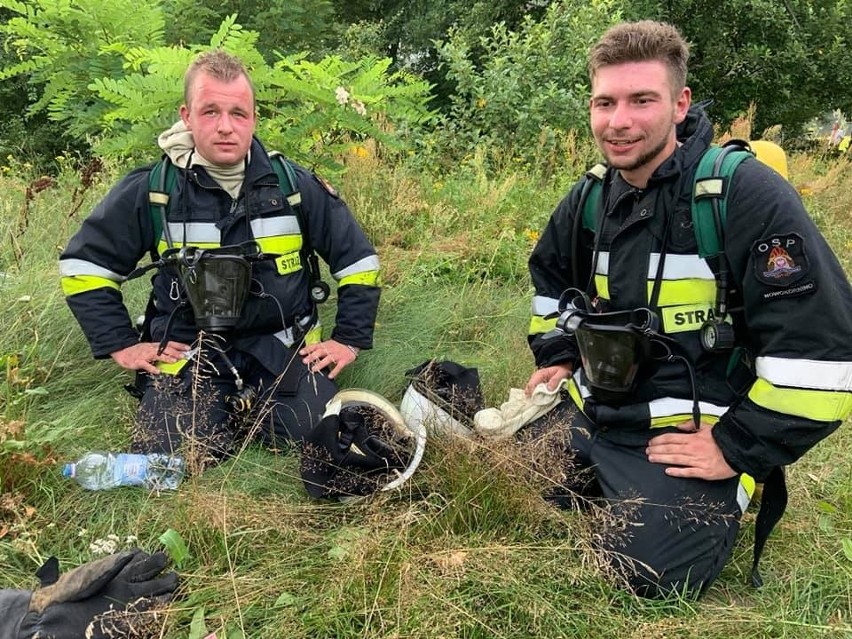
117, 596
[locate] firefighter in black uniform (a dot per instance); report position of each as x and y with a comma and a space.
262, 354
678, 486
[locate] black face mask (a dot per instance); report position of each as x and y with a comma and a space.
613, 346
217, 283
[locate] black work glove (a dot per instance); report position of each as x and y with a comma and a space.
117, 596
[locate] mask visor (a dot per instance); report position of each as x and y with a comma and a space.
217, 286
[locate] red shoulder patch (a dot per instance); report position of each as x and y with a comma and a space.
327, 186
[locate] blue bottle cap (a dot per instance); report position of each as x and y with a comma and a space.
68, 470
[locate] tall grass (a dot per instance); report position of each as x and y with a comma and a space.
468, 548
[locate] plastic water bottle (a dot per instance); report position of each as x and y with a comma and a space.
101, 471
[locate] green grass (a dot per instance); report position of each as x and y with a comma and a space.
467, 548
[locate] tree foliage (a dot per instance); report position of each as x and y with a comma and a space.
62, 46
123, 87
791, 59
312, 111
530, 83
288, 26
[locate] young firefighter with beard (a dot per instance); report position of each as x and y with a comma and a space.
227, 209
667, 425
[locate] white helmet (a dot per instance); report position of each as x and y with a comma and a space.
419, 411
361, 446
442, 397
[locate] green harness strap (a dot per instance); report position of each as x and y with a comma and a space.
163, 177
712, 177
161, 184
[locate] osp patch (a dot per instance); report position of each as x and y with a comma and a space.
780, 261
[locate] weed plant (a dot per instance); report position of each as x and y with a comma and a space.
467, 548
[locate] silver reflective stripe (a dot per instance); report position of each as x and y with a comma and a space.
272, 226
805, 373
285, 336
585, 392
544, 305
196, 233
709, 186
742, 497
603, 263
365, 265
69, 267
680, 267
666, 406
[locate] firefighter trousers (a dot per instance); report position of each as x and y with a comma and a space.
663, 535
201, 413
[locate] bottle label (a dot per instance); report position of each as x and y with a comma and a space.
130, 469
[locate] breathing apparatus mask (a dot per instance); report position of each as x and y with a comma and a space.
616, 346
217, 283
613, 346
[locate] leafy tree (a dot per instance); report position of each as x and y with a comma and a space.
310, 111
121, 87
789, 58
410, 29
531, 83
61, 47
288, 26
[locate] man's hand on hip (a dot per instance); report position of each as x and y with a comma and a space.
143, 356
693, 453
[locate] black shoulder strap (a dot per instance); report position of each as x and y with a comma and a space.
588, 209
289, 184
161, 183
773, 503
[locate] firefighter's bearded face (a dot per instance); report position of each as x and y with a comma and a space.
221, 117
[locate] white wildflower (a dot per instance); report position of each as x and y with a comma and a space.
103, 546
130, 540
341, 95
359, 107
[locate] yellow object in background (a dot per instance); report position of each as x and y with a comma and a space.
771, 154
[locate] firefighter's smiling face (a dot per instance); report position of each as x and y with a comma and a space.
221, 117
634, 110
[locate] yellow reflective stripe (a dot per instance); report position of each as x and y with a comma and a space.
574, 393
539, 325
365, 278
745, 491
821, 406
674, 420
748, 483
280, 244
688, 291
314, 336
162, 245
602, 286
172, 368
74, 284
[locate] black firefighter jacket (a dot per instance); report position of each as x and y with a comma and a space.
119, 232
795, 316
